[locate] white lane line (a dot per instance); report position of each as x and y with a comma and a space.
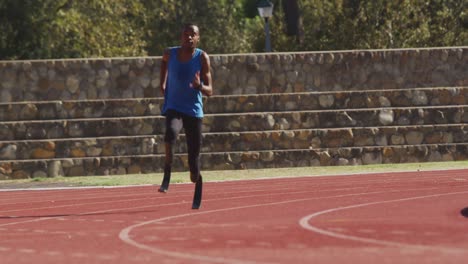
263, 244
79, 255
151, 206
179, 238
364, 230
107, 257
234, 242
73, 188
145, 198
26, 251
218, 199
5, 249
351, 178
27, 221
206, 240
432, 233
52, 253
126, 237
297, 246
399, 232
152, 238
337, 229
126, 200
143, 207
222, 260
59, 232
56, 198
305, 223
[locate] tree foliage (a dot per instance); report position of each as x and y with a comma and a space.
24, 27
69, 28
114, 28
221, 24
97, 28
356, 24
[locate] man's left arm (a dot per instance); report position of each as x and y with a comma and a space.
206, 85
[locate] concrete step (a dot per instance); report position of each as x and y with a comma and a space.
53, 110
16, 169
436, 96
238, 122
237, 141
79, 109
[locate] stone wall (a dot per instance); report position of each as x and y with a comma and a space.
102, 116
237, 74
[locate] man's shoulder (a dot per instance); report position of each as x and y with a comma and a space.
202, 53
169, 49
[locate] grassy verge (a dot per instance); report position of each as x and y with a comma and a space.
182, 177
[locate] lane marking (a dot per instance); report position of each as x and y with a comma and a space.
399, 232
125, 236
263, 244
26, 250
79, 255
389, 177
365, 230
240, 197
53, 253
233, 242
305, 223
136, 199
142, 207
4, 249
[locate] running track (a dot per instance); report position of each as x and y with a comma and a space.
411, 217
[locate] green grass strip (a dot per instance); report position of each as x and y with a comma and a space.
227, 175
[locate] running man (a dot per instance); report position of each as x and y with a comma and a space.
185, 77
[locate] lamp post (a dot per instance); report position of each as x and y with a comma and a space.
265, 9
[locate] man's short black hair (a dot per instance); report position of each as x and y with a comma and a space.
186, 25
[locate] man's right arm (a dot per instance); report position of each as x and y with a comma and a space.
163, 71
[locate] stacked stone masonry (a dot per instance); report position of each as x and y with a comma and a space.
102, 116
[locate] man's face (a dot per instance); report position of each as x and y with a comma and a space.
190, 37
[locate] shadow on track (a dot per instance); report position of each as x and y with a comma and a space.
464, 212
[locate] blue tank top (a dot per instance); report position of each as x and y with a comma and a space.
179, 95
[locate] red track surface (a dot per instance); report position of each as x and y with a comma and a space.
409, 217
